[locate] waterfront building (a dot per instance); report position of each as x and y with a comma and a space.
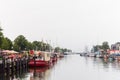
115, 46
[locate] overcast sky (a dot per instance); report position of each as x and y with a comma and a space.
73, 24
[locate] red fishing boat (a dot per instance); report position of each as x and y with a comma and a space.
40, 60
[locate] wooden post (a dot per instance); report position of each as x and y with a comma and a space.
12, 65
3, 65
16, 64
25, 62
8, 65
28, 59
19, 63
34, 60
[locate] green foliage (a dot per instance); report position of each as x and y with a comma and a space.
16, 47
6, 44
57, 49
1, 37
105, 46
62, 50
48, 47
40, 45
37, 45
20, 43
29, 46
97, 48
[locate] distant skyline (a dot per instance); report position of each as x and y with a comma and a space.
72, 24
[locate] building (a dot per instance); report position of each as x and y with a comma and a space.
115, 46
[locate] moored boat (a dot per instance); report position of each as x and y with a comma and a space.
54, 57
40, 60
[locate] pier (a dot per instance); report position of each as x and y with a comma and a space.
10, 67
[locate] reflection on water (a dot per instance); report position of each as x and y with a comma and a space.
39, 73
14, 75
106, 64
71, 67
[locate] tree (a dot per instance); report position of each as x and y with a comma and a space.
29, 46
37, 45
20, 43
97, 48
57, 49
40, 45
1, 37
48, 47
69, 50
6, 44
62, 50
16, 47
105, 46
65, 50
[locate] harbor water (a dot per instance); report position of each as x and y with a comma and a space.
73, 67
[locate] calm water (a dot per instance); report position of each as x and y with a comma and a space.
74, 67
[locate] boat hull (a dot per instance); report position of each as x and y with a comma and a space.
54, 59
38, 63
